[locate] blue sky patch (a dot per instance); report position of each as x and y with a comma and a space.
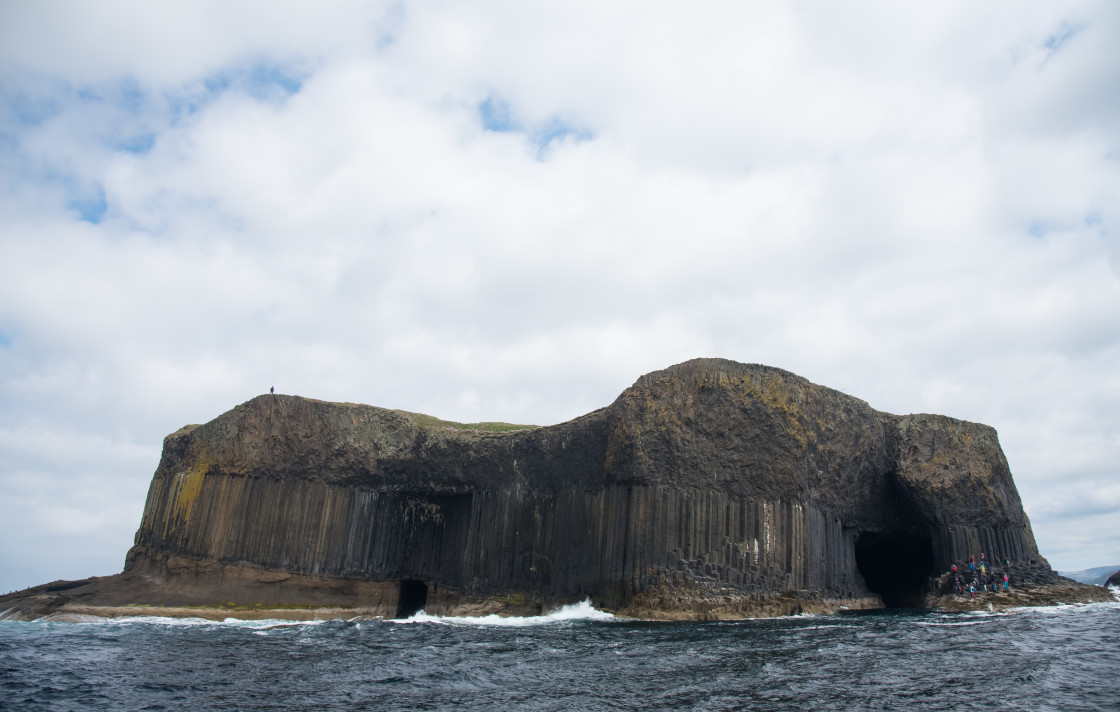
264, 79
137, 143
184, 104
218, 83
30, 109
1042, 228
90, 207
261, 81
130, 96
1064, 33
5, 340
557, 130
388, 27
125, 94
1094, 220
494, 114
122, 106
1039, 228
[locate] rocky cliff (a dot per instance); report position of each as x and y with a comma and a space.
709, 489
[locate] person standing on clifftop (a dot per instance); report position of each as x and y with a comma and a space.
272, 390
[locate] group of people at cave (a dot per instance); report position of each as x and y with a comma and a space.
980, 577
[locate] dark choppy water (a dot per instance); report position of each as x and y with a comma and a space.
1064, 658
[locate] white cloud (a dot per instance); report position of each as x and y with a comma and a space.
915, 205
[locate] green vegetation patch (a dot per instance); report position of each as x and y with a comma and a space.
428, 421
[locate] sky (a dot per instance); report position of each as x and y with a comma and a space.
510, 211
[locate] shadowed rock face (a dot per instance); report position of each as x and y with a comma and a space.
708, 481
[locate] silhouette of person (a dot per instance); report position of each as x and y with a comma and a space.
272, 390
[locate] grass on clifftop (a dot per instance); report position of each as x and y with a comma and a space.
428, 421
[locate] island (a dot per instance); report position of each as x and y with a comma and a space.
708, 490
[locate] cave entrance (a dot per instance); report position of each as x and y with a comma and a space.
412, 598
896, 565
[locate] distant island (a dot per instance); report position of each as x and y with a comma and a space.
1098, 575
708, 490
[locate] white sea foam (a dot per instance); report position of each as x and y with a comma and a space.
133, 620
1064, 608
582, 611
836, 626
264, 624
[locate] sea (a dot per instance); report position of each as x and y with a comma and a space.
1063, 658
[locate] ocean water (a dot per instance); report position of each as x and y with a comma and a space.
1059, 658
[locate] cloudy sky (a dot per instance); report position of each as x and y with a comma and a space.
510, 211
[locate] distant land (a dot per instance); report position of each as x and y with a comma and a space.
1096, 575
708, 490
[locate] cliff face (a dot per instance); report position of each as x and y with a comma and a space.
709, 488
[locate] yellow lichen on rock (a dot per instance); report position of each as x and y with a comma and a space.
779, 399
186, 489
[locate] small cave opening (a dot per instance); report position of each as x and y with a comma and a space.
412, 598
896, 565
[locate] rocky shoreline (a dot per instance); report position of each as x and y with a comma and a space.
101, 597
1052, 595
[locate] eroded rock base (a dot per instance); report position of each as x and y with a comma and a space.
249, 593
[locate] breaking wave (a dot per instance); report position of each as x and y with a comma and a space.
582, 611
